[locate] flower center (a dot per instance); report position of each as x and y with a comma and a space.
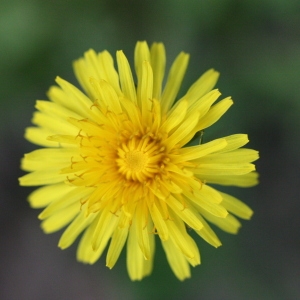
136, 161
139, 158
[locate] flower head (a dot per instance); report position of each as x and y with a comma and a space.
115, 165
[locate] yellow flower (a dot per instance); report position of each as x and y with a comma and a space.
114, 166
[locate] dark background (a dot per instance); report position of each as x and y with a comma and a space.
256, 47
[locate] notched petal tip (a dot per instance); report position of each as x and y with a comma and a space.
59, 79
21, 181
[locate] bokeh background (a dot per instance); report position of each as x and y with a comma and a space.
256, 47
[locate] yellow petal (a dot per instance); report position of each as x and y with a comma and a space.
48, 176
175, 117
45, 158
214, 114
203, 85
158, 63
71, 97
230, 224
85, 68
174, 81
209, 193
208, 234
64, 140
86, 125
141, 54
107, 71
239, 156
177, 260
104, 229
117, 243
61, 218
85, 252
179, 134
133, 113
74, 229
54, 124
39, 136
196, 259
145, 88
126, 78
74, 195
245, 180
159, 222
43, 196
156, 116
203, 103
189, 216
236, 206
55, 110
98, 66
178, 236
106, 96
223, 169
196, 152
202, 200
142, 226
137, 266
235, 141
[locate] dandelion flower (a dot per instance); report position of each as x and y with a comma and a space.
116, 166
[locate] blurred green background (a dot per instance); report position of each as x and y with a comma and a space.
256, 47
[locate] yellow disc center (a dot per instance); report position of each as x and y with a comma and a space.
136, 160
